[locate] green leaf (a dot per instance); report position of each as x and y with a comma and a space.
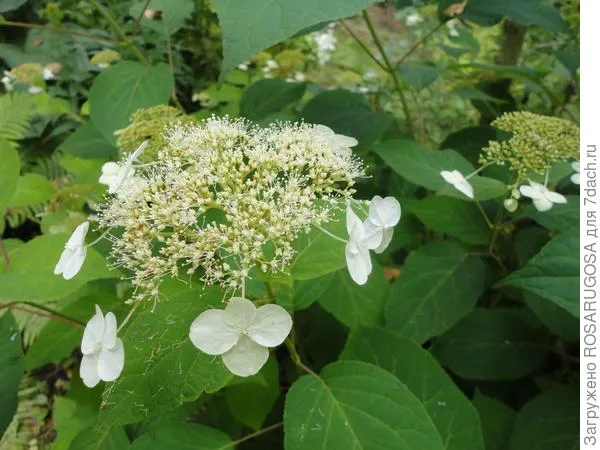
448, 215
249, 27
68, 419
356, 405
88, 142
182, 436
31, 189
11, 368
26, 263
497, 420
122, 89
548, 422
451, 412
173, 14
251, 399
560, 218
419, 75
347, 113
11, 5
66, 336
317, 253
491, 345
268, 96
553, 273
355, 305
113, 439
10, 166
163, 368
439, 284
557, 319
470, 140
422, 166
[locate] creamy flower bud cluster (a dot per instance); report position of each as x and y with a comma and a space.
223, 196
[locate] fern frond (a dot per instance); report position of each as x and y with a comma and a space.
16, 110
15, 217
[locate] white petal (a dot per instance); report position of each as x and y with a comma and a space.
448, 176
359, 263
111, 362
555, 197
345, 141
373, 234
351, 219
542, 204
324, 131
387, 234
271, 325
465, 187
93, 332
575, 178
385, 211
240, 313
575, 165
88, 371
109, 170
246, 358
109, 337
65, 257
136, 154
77, 239
74, 263
530, 191
211, 334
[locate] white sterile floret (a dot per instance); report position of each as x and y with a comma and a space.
241, 334
224, 196
384, 215
338, 142
456, 179
73, 255
357, 248
114, 175
575, 178
543, 198
103, 353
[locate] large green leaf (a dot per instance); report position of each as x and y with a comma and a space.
355, 405
452, 413
163, 369
11, 368
491, 345
548, 422
448, 215
347, 113
122, 89
268, 96
10, 165
557, 319
182, 436
419, 75
173, 14
497, 420
560, 218
31, 189
68, 419
251, 399
553, 273
439, 284
422, 166
249, 27
355, 305
113, 439
88, 142
26, 264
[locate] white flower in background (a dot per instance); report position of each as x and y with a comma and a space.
384, 215
7, 80
34, 90
413, 19
243, 66
452, 29
103, 353
48, 74
73, 255
575, 178
270, 65
359, 243
102, 66
339, 143
326, 45
114, 174
543, 198
456, 179
241, 334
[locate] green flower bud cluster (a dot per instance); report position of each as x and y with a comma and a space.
148, 124
105, 58
537, 142
28, 73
